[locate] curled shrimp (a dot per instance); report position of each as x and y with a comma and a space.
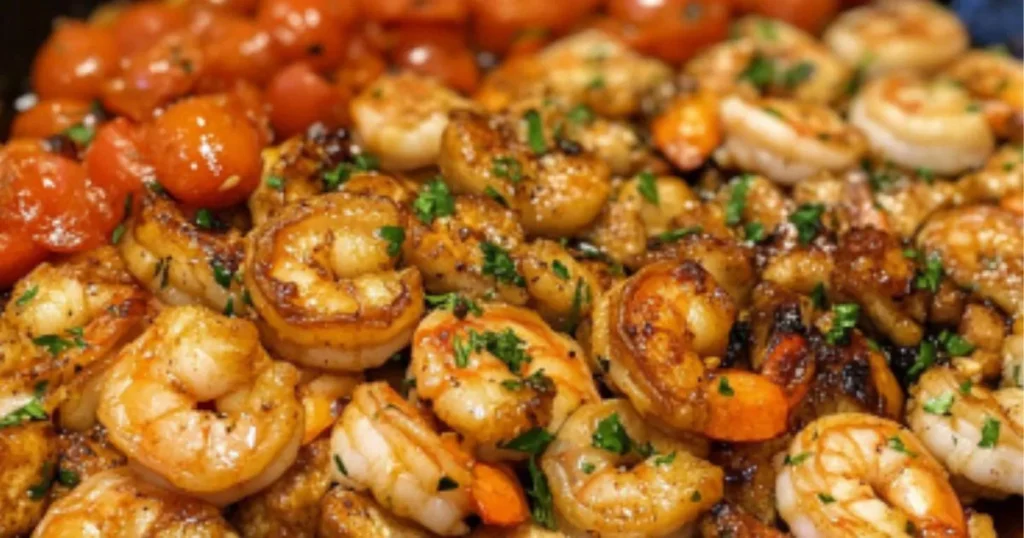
1002, 178
382, 444
922, 124
980, 249
556, 188
118, 504
976, 433
321, 395
322, 276
640, 482
997, 80
561, 288
496, 375
400, 118
687, 130
897, 35
189, 357
855, 474
29, 452
179, 262
651, 331
787, 141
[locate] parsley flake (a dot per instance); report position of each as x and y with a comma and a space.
395, 236
807, 219
939, 405
434, 201
610, 435
989, 433
532, 441
844, 319
535, 132
499, 264
647, 187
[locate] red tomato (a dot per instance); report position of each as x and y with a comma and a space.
238, 6
74, 61
438, 51
114, 161
141, 25
311, 30
204, 153
299, 97
50, 117
362, 64
156, 76
21, 255
414, 10
498, 24
811, 15
673, 30
235, 48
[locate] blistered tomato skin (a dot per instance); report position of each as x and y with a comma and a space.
235, 48
811, 15
497, 25
672, 30
20, 253
155, 76
439, 51
114, 159
204, 152
74, 62
49, 117
299, 97
448, 11
310, 30
142, 24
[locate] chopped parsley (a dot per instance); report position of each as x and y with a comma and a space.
825, 498
434, 201
541, 502
221, 274
737, 200
499, 264
844, 319
596, 83
580, 114
896, 444
672, 236
229, 307
954, 344
395, 236
610, 435
535, 132
581, 297
338, 175
818, 296
807, 219
507, 167
118, 233
926, 174
588, 467
939, 405
340, 465
446, 483
55, 344
647, 187
931, 276
966, 386
796, 75
666, 459
560, 270
989, 433
27, 297
38, 491
205, 219
462, 349
506, 346
275, 182
68, 478
695, 497
766, 27
797, 459
80, 134
456, 303
724, 388
532, 441
33, 410
753, 232
493, 194
760, 72
925, 358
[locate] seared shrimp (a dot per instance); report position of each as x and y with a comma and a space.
179, 262
997, 80
687, 129
348, 514
787, 141
28, 455
321, 395
650, 333
496, 375
857, 475
323, 277
400, 119
980, 248
975, 433
612, 475
153, 398
118, 504
897, 35
382, 444
922, 124
1001, 179
561, 289
555, 187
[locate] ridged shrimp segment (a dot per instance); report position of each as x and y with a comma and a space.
897, 35
612, 489
787, 141
154, 405
922, 124
974, 432
997, 80
857, 475
323, 277
400, 118
382, 444
496, 375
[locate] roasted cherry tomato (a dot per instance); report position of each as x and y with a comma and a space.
141, 25
74, 61
156, 76
50, 117
114, 159
235, 48
21, 254
452, 11
311, 30
238, 6
205, 152
299, 97
673, 30
439, 51
811, 15
362, 64
498, 24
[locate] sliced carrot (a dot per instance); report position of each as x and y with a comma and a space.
744, 406
498, 497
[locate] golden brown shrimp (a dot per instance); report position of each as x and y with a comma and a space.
82, 455
976, 433
321, 395
917, 123
980, 249
729, 262
188, 357
348, 514
323, 277
650, 333
897, 35
494, 375
763, 202
787, 141
29, 452
998, 81
181, 263
854, 474
687, 129
118, 504
561, 288
556, 188
611, 474
400, 118
1001, 178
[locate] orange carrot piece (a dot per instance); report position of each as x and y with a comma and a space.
744, 406
498, 497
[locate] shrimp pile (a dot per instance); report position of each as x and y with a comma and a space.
628, 275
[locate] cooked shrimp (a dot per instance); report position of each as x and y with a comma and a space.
118, 504
556, 188
687, 130
897, 35
188, 358
922, 124
759, 201
787, 141
998, 81
975, 433
382, 444
400, 118
729, 262
62, 330
348, 514
496, 375
82, 455
179, 262
1002, 177
321, 395
27, 468
561, 289
855, 474
980, 249
653, 330
1013, 360
322, 276
451, 250
612, 475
